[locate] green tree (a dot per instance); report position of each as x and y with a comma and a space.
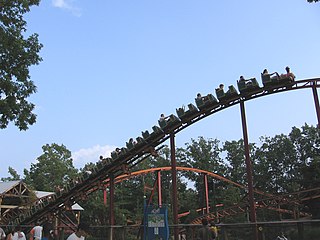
17, 54
311, 1
14, 175
307, 143
95, 210
237, 172
235, 156
203, 154
187, 204
311, 179
53, 168
276, 165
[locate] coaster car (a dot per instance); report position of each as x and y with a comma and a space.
206, 102
249, 87
156, 134
169, 123
227, 96
187, 115
271, 82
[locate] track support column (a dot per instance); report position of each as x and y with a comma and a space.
111, 207
105, 196
174, 186
316, 101
248, 168
159, 188
205, 183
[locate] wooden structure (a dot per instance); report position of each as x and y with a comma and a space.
15, 197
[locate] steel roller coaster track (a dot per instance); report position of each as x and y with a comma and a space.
133, 154
265, 200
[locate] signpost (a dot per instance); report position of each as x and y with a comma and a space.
156, 223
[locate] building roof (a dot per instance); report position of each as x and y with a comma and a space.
76, 207
6, 186
41, 194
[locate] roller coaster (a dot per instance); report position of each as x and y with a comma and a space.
266, 200
110, 169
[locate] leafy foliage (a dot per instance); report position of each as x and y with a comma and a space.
276, 165
202, 154
281, 164
17, 54
53, 168
96, 212
236, 170
14, 175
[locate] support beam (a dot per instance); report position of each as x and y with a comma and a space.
159, 188
205, 183
316, 101
111, 206
105, 197
174, 186
248, 168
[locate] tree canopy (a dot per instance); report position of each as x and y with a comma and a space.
53, 168
282, 164
17, 53
14, 175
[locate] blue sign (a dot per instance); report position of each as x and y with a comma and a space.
156, 223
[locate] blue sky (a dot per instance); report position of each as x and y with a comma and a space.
110, 68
